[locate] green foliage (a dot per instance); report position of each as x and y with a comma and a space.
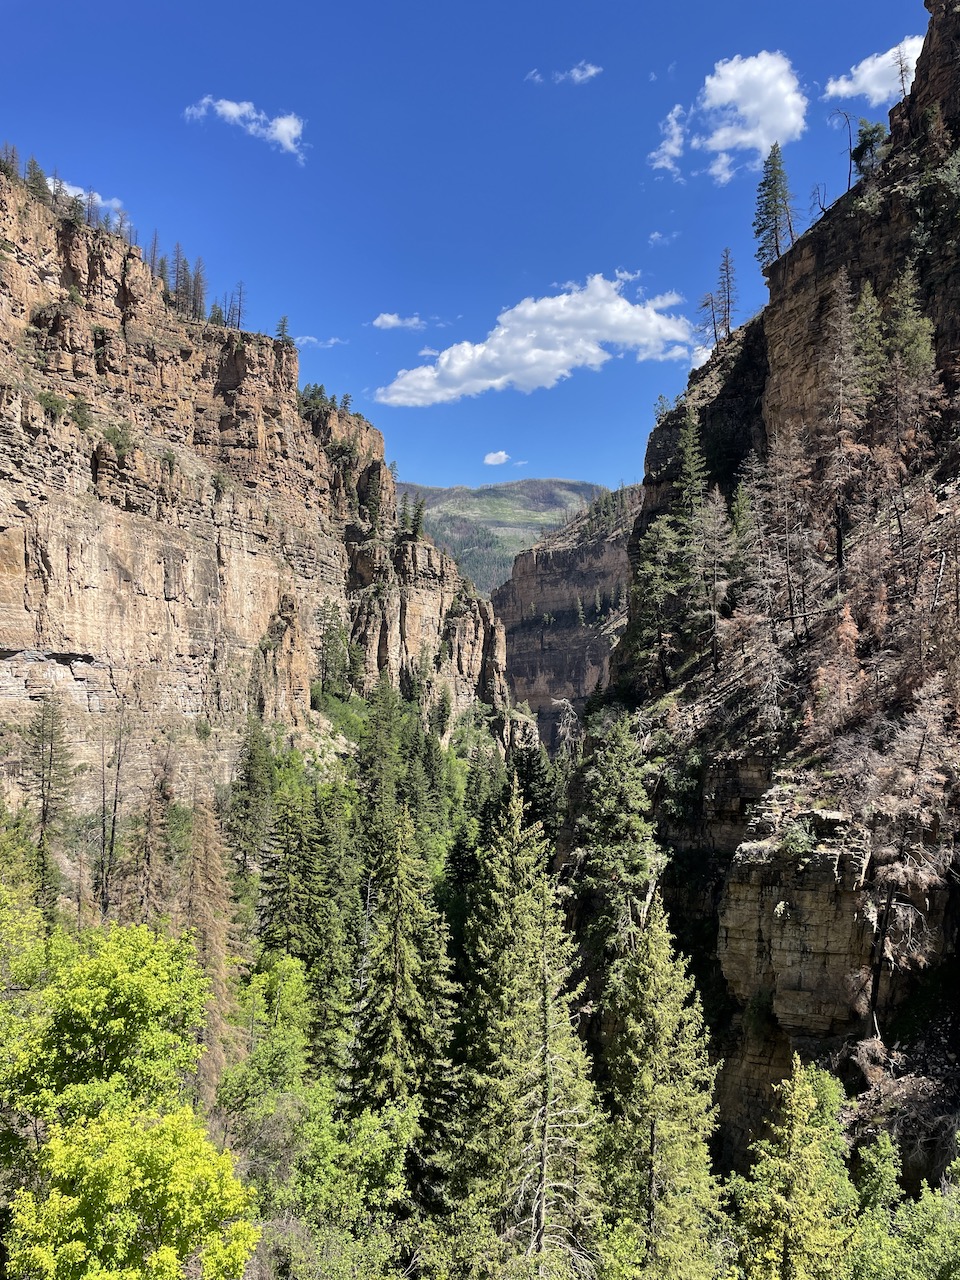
870, 147
527, 1162
797, 1206
130, 1194
80, 413
773, 220
665, 1211
118, 1015
120, 436
53, 404
613, 827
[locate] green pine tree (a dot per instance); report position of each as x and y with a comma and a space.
664, 1201
796, 1208
773, 221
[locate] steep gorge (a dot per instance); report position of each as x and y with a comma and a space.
173, 534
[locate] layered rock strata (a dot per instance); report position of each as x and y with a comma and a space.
173, 534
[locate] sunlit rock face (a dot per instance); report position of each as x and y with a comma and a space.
173, 532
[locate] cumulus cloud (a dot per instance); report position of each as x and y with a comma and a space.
308, 340
673, 131
877, 78
542, 340
113, 203
496, 459
284, 131
748, 104
579, 74
390, 320
745, 105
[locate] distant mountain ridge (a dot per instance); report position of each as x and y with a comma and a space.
487, 527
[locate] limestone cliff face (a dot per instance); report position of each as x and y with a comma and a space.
905, 214
558, 639
812, 924
171, 529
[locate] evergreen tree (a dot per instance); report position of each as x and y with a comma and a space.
48, 767
251, 797
526, 1165
36, 181
621, 860
796, 1207
291, 897
403, 1020
773, 221
665, 1203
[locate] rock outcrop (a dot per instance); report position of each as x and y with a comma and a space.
815, 924
173, 533
563, 610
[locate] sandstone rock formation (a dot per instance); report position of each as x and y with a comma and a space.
812, 924
172, 530
558, 639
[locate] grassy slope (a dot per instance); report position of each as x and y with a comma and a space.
485, 528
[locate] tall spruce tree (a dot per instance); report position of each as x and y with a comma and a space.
403, 1020
664, 1202
526, 1165
796, 1208
773, 221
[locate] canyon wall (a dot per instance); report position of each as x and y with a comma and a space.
818, 927
173, 534
563, 610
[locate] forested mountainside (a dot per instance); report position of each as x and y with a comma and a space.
792, 648
563, 610
485, 528
375, 988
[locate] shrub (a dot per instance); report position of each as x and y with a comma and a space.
121, 437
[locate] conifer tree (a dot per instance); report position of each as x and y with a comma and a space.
526, 1165
291, 887
403, 1020
796, 1207
48, 773
621, 860
665, 1203
773, 221
251, 797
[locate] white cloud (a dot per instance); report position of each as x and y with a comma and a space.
308, 340
496, 459
877, 78
542, 340
673, 131
721, 168
748, 104
656, 239
579, 74
699, 356
522, 462
114, 203
390, 320
284, 131
428, 351
534, 77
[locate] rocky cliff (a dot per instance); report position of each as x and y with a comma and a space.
814, 878
564, 609
173, 533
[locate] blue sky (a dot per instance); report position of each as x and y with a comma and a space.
491, 225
